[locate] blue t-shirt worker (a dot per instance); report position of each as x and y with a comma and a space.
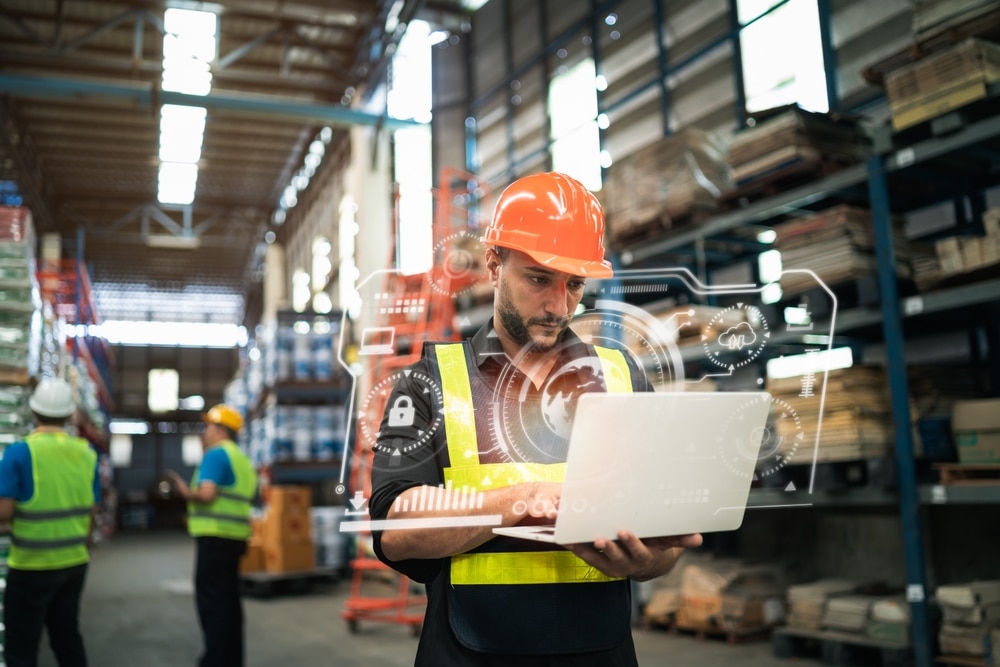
49, 487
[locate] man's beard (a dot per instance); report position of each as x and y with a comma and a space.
517, 327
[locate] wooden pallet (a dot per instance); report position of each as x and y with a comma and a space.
961, 661
967, 474
785, 176
840, 648
731, 636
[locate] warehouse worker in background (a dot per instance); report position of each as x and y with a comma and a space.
219, 502
498, 600
50, 486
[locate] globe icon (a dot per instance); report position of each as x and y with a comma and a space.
564, 386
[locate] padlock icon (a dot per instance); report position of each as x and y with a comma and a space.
402, 413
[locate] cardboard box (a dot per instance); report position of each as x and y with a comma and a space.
291, 556
253, 559
289, 499
946, 80
977, 430
287, 526
973, 593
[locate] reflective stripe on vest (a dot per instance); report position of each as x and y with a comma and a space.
229, 514
530, 567
49, 530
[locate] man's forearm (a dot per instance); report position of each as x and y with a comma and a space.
500, 507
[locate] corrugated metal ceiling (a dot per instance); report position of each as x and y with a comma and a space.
79, 125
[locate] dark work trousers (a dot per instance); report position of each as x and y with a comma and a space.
217, 593
49, 598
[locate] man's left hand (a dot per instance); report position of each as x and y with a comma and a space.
628, 556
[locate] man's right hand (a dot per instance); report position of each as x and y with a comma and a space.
540, 500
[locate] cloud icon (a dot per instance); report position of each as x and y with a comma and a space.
738, 337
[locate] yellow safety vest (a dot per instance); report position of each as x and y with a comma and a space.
229, 514
476, 575
49, 531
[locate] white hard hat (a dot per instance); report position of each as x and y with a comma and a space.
53, 397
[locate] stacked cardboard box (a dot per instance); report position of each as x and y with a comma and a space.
287, 530
943, 81
730, 595
807, 602
837, 244
857, 415
890, 620
960, 254
971, 614
674, 178
789, 136
253, 559
849, 613
977, 430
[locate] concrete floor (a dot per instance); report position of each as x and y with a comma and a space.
138, 611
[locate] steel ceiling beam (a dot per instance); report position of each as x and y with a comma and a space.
18, 85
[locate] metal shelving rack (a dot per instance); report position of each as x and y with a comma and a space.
873, 174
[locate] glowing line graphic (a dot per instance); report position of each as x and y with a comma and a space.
430, 522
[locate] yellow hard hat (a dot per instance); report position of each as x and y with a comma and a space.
224, 415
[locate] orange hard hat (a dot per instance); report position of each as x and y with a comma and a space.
555, 220
223, 415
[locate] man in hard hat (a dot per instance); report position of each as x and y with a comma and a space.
497, 433
219, 503
49, 485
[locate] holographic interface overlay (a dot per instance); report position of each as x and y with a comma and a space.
684, 334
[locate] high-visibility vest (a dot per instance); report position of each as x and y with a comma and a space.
49, 531
229, 514
489, 584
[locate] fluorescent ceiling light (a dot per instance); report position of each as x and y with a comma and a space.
128, 427
177, 183
172, 241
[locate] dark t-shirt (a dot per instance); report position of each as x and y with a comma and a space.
515, 422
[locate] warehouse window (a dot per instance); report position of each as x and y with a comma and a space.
576, 141
322, 268
790, 73
191, 450
163, 387
409, 96
301, 294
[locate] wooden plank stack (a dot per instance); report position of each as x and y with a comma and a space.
961, 254
807, 602
857, 417
676, 179
943, 81
931, 17
790, 136
837, 244
971, 614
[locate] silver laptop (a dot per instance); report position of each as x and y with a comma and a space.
656, 464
